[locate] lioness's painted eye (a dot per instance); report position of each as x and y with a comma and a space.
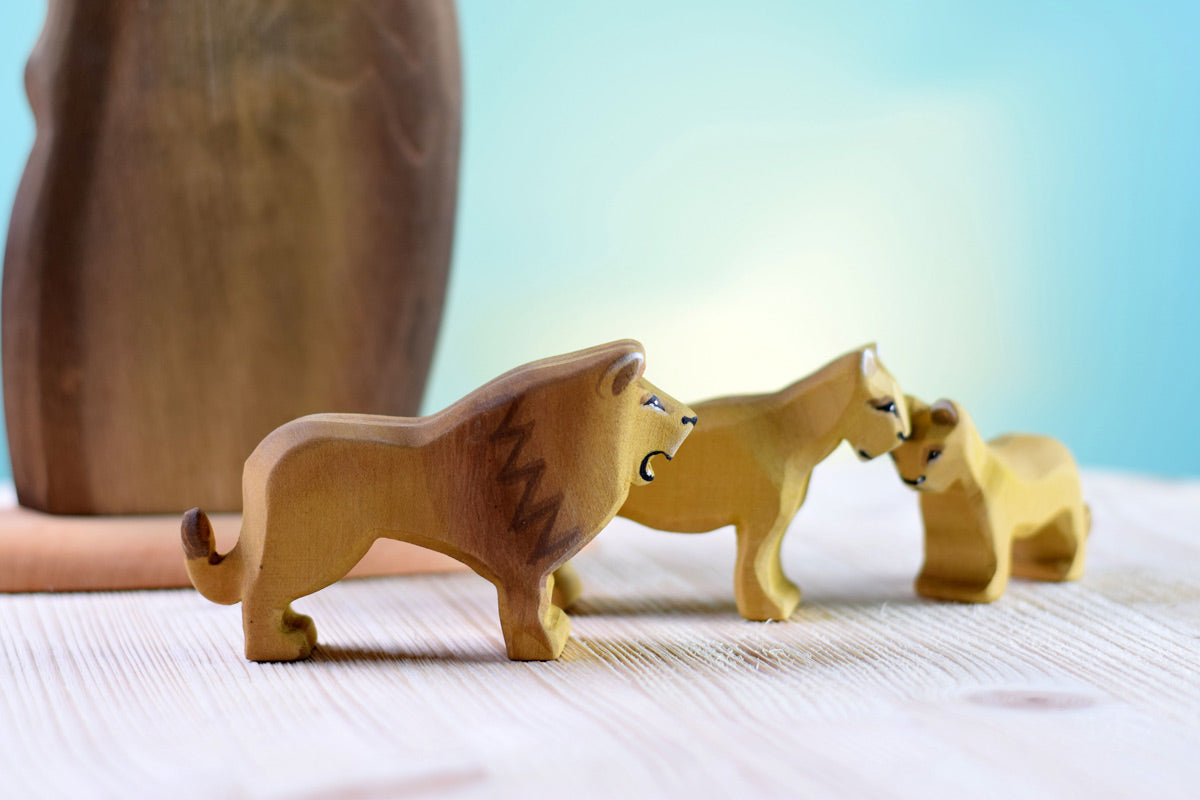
654, 402
934, 455
887, 407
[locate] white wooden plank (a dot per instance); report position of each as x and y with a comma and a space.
1089, 689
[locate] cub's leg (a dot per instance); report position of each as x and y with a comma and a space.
963, 564
1055, 552
567, 586
534, 628
274, 632
763, 592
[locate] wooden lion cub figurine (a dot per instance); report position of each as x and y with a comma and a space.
1012, 505
512, 480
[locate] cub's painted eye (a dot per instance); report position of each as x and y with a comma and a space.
887, 407
654, 402
933, 456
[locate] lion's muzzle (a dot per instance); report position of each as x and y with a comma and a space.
644, 470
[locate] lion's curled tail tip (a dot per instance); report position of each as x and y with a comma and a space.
197, 534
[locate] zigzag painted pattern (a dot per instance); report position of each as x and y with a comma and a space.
528, 512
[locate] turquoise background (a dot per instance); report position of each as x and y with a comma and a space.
1007, 198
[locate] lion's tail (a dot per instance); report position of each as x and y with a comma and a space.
217, 577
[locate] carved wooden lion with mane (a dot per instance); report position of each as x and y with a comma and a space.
512, 480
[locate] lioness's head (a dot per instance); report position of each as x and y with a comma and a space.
651, 422
876, 420
935, 455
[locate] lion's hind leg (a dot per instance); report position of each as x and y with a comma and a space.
534, 628
1054, 552
274, 632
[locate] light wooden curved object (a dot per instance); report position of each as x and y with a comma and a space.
235, 213
1010, 506
748, 464
512, 480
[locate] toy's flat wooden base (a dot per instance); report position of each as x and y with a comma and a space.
48, 553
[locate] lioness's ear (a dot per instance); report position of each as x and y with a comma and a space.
870, 361
944, 412
622, 372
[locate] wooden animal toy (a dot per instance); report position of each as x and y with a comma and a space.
1012, 505
748, 465
512, 480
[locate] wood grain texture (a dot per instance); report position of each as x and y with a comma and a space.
1083, 689
749, 465
1012, 505
512, 480
235, 213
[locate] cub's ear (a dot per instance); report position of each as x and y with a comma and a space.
622, 372
945, 412
870, 361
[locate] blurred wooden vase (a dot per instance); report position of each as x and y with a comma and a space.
235, 213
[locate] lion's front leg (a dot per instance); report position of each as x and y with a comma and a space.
964, 563
534, 628
763, 591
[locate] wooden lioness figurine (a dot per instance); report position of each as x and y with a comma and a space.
1012, 505
512, 480
749, 463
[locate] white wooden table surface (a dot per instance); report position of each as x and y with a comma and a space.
1077, 690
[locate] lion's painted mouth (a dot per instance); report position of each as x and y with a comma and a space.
644, 470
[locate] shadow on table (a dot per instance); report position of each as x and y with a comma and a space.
340, 654
817, 603
642, 605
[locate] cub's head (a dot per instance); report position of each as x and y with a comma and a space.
876, 420
650, 422
936, 454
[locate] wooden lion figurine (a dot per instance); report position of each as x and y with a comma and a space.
1012, 505
512, 480
749, 464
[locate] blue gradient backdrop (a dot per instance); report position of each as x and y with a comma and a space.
1007, 198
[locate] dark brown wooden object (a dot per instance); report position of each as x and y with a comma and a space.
236, 212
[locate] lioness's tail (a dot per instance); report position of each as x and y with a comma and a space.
216, 576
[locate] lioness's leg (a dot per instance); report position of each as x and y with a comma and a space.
1055, 552
567, 586
274, 632
762, 590
534, 628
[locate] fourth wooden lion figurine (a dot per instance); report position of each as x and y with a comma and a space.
1009, 505
512, 480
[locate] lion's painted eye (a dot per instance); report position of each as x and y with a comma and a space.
654, 402
886, 406
933, 456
